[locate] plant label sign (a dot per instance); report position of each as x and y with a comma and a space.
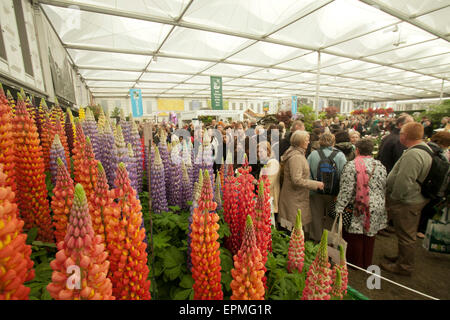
136, 102
216, 93
294, 105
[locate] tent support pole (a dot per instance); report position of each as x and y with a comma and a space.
442, 91
316, 100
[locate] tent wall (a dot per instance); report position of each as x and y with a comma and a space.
13, 67
43, 46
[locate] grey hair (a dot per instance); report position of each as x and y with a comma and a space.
298, 137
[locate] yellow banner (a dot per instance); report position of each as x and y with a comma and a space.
170, 105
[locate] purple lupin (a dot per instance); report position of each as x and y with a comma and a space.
137, 151
164, 153
158, 187
90, 129
56, 151
126, 127
187, 188
109, 160
132, 169
176, 182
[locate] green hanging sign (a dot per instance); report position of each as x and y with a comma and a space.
216, 93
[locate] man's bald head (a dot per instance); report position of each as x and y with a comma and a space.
297, 125
403, 119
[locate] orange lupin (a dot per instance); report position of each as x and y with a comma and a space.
7, 157
101, 204
62, 200
81, 267
79, 151
42, 110
296, 251
262, 223
16, 266
47, 130
56, 114
28, 105
129, 272
248, 273
105, 215
90, 170
31, 187
84, 162
205, 254
59, 130
12, 102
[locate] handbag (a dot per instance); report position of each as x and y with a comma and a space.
437, 234
346, 215
335, 240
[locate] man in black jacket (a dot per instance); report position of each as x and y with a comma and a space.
390, 148
286, 142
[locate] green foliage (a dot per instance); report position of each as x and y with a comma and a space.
38, 286
170, 277
322, 115
206, 119
167, 234
41, 255
437, 112
309, 116
115, 114
226, 263
95, 110
282, 285
48, 183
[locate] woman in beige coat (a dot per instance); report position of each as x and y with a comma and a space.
296, 183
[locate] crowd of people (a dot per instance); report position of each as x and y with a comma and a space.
334, 168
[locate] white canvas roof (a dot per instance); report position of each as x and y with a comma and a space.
373, 50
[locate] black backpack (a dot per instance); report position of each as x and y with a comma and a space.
436, 184
327, 172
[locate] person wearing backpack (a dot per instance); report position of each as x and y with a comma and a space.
405, 199
439, 144
326, 164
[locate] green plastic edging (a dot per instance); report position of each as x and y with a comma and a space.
356, 294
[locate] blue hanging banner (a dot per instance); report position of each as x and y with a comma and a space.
136, 102
294, 105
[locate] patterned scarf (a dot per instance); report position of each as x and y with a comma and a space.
361, 205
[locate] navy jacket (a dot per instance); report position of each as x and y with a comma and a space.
391, 149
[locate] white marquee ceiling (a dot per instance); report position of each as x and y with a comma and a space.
372, 50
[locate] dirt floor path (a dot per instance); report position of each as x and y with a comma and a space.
431, 276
